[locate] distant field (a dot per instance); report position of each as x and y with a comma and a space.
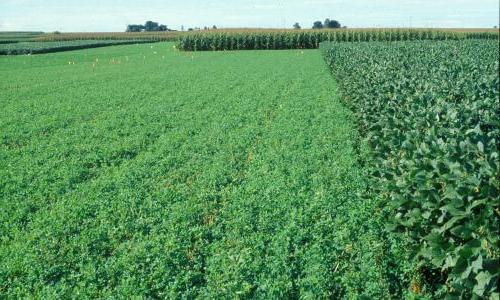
169, 36
70, 36
13, 36
227, 39
48, 47
358, 29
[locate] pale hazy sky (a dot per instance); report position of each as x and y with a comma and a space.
114, 15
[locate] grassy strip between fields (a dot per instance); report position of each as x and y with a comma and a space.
139, 170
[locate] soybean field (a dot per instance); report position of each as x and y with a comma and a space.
430, 113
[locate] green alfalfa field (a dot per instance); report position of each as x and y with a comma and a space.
141, 170
145, 171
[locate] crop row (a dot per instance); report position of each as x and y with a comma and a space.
430, 112
8, 42
310, 39
49, 47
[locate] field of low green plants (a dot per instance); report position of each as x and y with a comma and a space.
367, 169
141, 170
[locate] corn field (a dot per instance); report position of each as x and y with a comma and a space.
310, 39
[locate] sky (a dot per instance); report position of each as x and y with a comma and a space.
114, 15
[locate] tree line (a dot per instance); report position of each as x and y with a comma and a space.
154, 26
148, 26
332, 24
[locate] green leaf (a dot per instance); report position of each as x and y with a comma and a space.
482, 279
451, 222
477, 264
462, 231
480, 146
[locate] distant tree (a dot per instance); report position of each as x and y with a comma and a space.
190, 29
495, 26
296, 26
135, 28
318, 25
205, 28
151, 26
182, 27
214, 27
335, 24
331, 24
